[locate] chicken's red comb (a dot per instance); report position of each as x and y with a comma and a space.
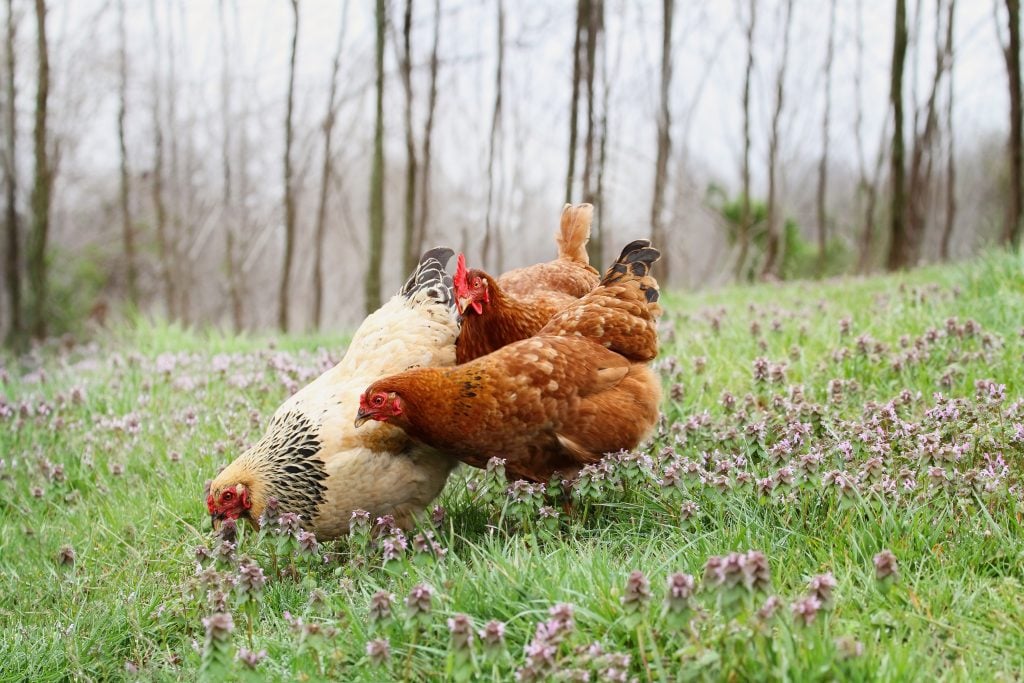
460, 281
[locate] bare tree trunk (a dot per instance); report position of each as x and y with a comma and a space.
377, 175
325, 174
492, 230
411, 165
289, 190
866, 187
950, 217
428, 134
127, 230
595, 20
159, 205
231, 266
595, 247
43, 181
825, 123
919, 183
582, 14
178, 237
743, 236
899, 248
775, 255
664, 143
248, 246
1011, 54
16, 332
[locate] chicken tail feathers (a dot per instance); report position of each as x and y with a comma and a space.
574, 232
431, 277
621, 312
635, 261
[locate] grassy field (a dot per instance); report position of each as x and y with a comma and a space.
818, 424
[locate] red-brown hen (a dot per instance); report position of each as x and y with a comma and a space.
499, 311
551, 403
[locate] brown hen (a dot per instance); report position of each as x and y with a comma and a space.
516, 305
551, 403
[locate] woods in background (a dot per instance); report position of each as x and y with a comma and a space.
233, 171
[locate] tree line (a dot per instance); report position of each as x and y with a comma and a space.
902, 198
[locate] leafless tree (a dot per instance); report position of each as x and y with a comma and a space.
743, 236
179, 188
950, 214
664, 140
377, 174
922, 154
595, 247
15, 335
428, 134
127, 229
229, 214
1015, 147
776, 243
582, 16
900, 248
326, 172
492, 230
825, 124
43, 181
867, 184
409, 250
159, 201
595, 27
289, 189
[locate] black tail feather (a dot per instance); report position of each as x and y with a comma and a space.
430, 276
636, 260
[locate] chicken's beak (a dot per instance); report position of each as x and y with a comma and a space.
361, 417
215, 520
462, 303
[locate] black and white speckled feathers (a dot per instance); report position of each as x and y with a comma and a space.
288, 457
430, 276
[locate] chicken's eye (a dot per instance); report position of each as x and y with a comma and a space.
378, 400
477, 282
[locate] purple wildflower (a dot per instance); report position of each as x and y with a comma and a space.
886, 566
381, 604
637, 593
420, 600
821, 587
379, 651
493, 634
251, 659
219, 626
680, 591
806, 609
461, 629
770, 607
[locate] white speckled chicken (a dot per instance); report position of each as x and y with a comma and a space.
315, 462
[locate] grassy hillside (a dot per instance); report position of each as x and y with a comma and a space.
818, 424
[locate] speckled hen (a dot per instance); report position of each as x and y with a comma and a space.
551, 403
311, 458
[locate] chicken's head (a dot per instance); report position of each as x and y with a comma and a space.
379, 404
228, 502
471, 290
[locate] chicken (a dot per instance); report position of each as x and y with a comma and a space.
551, 403
516, 305
314, 462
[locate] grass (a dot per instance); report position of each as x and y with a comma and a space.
104, 450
